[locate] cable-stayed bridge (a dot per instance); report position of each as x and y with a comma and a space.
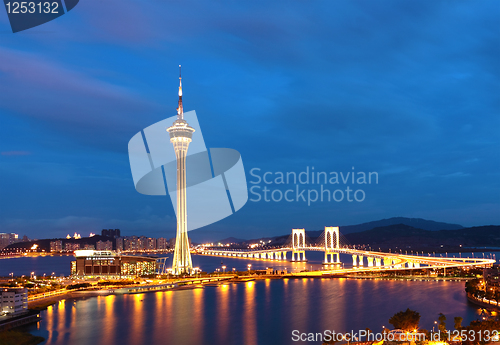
331, 244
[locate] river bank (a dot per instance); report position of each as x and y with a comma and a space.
482, 304
43, 303
19, 338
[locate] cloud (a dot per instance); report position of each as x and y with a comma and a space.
74, 103
403, 88
15, 153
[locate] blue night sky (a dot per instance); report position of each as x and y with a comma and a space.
407, 89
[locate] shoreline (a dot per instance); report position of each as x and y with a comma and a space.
487, 306
43, 303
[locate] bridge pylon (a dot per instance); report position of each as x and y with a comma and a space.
298, 244
332, 244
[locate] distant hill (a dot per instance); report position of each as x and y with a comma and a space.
231, 240
405, 237
418, 223
411, 234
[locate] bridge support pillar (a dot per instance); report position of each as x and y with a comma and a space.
330, 258
361, 260
354, 260
370, 261
298, 244
417, 264
410, 264
378, 262
298, 252
284, 255
332, 243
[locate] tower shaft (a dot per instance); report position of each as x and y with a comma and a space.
182, 263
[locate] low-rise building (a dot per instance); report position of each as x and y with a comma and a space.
110, 264
71, 247
6, 239
492, 277
104, 245
56, 246
13, 301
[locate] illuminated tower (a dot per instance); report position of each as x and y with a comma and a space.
180, 136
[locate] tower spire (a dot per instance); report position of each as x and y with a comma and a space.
180, 110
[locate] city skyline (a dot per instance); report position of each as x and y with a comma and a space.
418, 105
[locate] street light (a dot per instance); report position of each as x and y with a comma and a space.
224, 269
249, 266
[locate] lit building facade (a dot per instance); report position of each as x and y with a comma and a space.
56, 246
492, 277
71, 247
162, 243
180, 136
13, 301
104, 245
119, 244
6, 239
93, 263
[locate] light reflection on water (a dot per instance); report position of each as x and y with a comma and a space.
255, 312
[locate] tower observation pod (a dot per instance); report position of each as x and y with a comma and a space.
180, 136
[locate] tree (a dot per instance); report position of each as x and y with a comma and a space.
477, 332
406, 320
481, 294
489, 295
442, 326
458, 322
496, 296
471, 286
